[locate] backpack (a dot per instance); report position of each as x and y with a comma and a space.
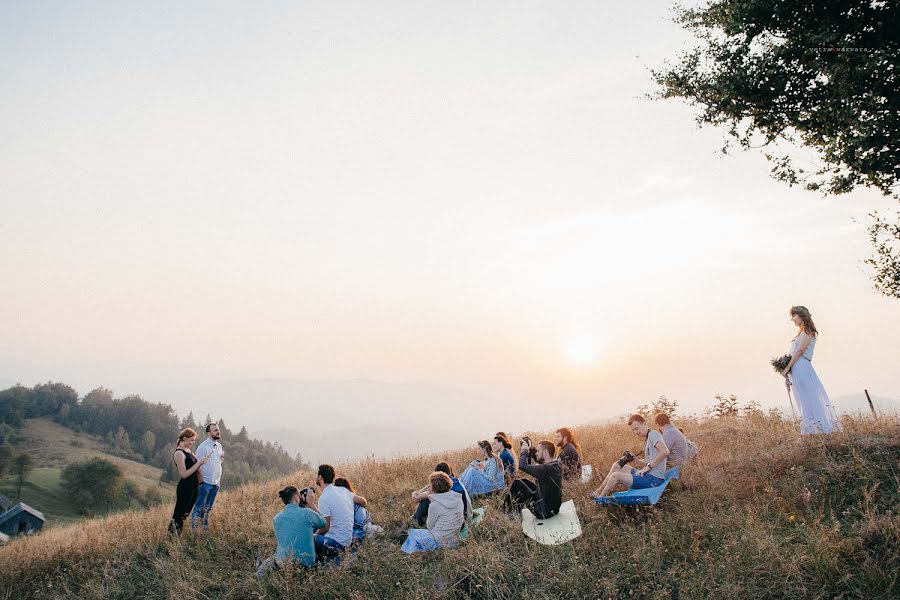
692, 449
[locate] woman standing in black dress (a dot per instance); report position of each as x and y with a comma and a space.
186, 492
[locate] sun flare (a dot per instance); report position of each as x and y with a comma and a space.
581, 350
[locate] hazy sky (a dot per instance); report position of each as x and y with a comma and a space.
468, 194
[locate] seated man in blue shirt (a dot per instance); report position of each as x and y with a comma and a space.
295, 527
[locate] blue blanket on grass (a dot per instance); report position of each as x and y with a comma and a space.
646, 496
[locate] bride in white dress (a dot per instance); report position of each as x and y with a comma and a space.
816, 413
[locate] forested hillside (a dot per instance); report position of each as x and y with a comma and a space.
136, 429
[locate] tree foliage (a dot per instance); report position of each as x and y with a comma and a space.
753, 410
143, 431
22, 466
821, 75
885, 262
96, 486
6, 459
664, 405
725, 406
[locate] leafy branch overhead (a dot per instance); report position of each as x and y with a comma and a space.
813, 74
885, 238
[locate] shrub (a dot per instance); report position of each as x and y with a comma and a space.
96, 486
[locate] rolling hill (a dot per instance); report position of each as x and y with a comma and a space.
52, 447
761, 513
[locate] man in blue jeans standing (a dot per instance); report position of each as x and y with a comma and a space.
210, 474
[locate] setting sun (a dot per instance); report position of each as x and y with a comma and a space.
581, 350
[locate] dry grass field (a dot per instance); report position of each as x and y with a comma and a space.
760, 514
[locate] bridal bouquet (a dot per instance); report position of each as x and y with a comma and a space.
780, 363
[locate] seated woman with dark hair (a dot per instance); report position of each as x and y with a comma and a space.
362, 520
445, 518
502, 447
485, 474
295, 527
422, 496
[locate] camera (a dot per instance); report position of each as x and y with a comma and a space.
303, 494
627, 457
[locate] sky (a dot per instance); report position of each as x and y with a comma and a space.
467, 196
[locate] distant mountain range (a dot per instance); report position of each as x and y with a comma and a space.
354, 443
347, 420
856, 403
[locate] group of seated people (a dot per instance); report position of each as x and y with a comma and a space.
318, 527
494, 470
322, 527
495, 467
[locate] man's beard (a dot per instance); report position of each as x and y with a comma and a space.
217, 436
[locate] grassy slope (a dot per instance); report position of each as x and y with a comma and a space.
761, 514
53, 447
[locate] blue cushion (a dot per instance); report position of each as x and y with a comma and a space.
645, 496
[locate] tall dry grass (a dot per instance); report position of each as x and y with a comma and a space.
760, 514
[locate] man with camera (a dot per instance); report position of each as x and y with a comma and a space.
295, 528
650, 472
542, 497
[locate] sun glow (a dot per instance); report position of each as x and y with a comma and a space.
581, 350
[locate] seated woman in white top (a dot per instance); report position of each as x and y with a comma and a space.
445, 518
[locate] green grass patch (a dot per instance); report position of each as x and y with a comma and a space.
42, 490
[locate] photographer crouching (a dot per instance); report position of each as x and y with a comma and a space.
542, 497
650, 472
295, 528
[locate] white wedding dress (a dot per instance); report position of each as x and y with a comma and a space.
816, 413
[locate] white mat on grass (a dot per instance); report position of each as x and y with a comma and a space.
560, 529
